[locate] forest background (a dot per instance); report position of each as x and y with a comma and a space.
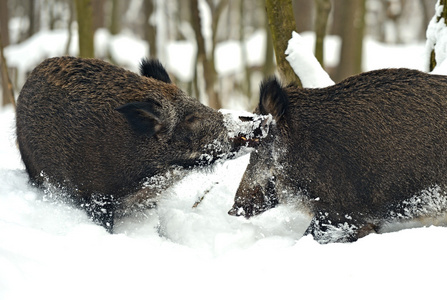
203, 25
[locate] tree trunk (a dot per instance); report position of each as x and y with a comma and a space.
304, 16
246, 86
323, 8
32, 18
115, 17
8, 91
70, 31
443, 15
427, 7
337, 17
269, 64
209, 72
4, 19
85, 28
282, 24
150, 30
98, 14
352, 39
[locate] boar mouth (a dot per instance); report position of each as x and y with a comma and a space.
241, 140
247, 131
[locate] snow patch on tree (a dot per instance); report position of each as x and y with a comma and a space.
437, 41
305, 65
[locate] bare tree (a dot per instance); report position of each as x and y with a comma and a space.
115, 17
32, 17
304, 16
269, 63
352, 29
85, 28
282, 24
98, 14
70, 21
323, 8
8, 92
4, 19
150, 30
427, 10
209, 70
439, 18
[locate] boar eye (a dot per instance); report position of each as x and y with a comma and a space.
192, 118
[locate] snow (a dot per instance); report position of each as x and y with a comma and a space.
51, 250
435, 32
303, 62
189, 247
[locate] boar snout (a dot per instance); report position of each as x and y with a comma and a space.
252, 201
248, 131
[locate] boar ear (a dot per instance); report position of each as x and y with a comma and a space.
143, 117
273, 99
154, 69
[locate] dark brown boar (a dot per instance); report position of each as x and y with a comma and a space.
101, 133
355, 155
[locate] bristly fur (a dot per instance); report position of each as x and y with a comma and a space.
358, 150
100, 146
273, 99
154, 69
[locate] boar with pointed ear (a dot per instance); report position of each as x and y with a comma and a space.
354, 155
100, 132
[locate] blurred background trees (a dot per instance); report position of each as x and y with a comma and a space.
217, 34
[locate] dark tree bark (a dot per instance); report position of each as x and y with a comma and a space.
8, 91
303, 11
209, 71
246, 85
98, 14
269, 64
70, 21
323, 8
282, 24
337, 18
150, 31
4, 19
33, 19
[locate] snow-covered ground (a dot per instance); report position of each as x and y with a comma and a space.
51, 250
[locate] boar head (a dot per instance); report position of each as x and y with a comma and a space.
257, 191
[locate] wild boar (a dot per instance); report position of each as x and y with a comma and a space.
353, 154
102, 133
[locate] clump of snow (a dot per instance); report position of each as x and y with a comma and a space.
437, 41
305, 65
252, 125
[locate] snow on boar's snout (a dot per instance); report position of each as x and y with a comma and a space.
102, 133
357, 155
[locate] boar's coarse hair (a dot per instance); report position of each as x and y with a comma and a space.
357, 152
99, 131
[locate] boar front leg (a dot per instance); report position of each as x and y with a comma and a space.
101, 210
